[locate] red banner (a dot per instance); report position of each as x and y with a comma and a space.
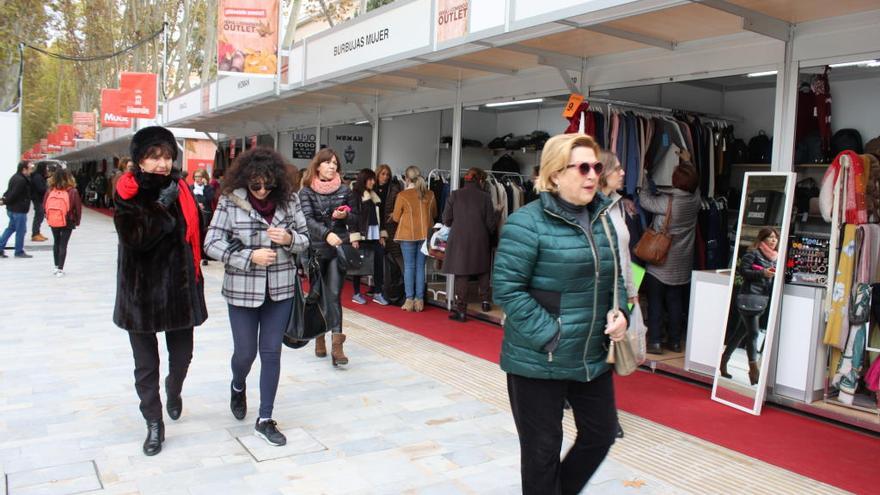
66, 135
84, 124
112, 104
142, 85
53, 142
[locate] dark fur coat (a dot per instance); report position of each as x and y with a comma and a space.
156, 286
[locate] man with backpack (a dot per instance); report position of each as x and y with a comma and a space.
63, 213
17, 199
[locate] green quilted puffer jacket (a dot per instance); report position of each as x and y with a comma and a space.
555, 282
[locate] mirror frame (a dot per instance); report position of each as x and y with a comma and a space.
776, 294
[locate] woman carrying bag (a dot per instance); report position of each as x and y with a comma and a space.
325, 203
554, 278
257, 228
367, 207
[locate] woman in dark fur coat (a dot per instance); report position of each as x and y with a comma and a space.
159, 285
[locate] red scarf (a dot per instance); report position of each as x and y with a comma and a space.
127, 188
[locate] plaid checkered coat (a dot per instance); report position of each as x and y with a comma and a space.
245, 283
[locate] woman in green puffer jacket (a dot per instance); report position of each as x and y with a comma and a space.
554, 278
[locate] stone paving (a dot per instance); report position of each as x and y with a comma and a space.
389, 423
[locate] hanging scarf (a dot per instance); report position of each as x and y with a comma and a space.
265, 207
768, 252
328, 186
856, 186
127, 187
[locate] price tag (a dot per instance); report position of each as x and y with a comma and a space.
574, 102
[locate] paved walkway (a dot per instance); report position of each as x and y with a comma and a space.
408, 416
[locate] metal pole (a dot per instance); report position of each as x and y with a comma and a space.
21, 98
164, 58
454, 174
374, 160
318, 131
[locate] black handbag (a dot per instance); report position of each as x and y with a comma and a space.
751, 304
366, 259
348, 258
306, 318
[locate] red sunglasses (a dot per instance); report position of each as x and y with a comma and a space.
584, 168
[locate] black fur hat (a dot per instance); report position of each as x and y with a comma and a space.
151, 136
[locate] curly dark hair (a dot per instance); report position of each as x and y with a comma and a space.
360, 184
262, 163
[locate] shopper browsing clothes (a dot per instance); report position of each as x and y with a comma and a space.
63, 213
38, 193
370, 235
17, 199
554, 278
414, 213
256, 230
471, 218
325, 204
667, 284
757, 268
159, 284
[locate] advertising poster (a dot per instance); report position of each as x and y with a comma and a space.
247, 37
353, 144
84, 125
198, 154
143, 93
112, 103
66, 135
305, 145
53, 142
452, 19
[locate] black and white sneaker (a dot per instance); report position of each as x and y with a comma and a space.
267, 431
237, 402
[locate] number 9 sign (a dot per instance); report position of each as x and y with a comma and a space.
574, 101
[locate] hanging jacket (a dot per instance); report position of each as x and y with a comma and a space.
554, 281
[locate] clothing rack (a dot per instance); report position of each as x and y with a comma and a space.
439, 172
720, 119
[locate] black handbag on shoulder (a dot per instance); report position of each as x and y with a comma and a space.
348, 258
306, 318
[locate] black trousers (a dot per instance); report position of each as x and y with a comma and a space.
537, 407
747, 330
331, 292
669, 299
39, 216
60, 238
461, 289
378, 267
145, 348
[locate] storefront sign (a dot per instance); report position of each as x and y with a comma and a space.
234, 89
294, 66
185, 105
142, 88
394, 34
549, 10
66, 135
304, 145
247, 41
452, 19
487, 14
353, 144
84, 125
53, 142
112, 103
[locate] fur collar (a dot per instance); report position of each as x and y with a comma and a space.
371, 196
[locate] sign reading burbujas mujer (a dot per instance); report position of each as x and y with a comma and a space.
397, 32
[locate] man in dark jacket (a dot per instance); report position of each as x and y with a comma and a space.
17, 199
38, 193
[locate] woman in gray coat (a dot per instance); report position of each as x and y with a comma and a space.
471, 219
666, 284
257, 228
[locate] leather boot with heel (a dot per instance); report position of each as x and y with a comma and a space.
155, 437
320, 347
173, 401
753, 372
336, 353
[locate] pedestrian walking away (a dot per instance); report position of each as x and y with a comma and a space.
17, 199
257, 229
63, 209
39, 188
325, 203
554, 278
159, 284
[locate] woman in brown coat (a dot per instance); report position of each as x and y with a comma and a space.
471, 219
414, 210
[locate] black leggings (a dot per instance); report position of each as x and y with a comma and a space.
748, 330
378, 267
60, 238
331, 292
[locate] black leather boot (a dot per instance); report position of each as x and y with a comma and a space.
173, 401
155, 437
456, 315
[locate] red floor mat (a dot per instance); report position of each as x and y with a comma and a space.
812, 448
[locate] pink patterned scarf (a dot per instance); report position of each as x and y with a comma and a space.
326, 187
767, 251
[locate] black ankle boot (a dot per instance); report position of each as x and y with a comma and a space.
155, 437
486, 306
173, 401
456, 315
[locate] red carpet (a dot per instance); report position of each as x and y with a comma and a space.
809, 447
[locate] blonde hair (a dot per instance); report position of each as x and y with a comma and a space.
611, 163
555, 156
414, 176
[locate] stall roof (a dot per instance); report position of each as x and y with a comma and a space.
566, 43
119, 146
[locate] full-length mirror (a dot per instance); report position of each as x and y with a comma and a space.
755, 290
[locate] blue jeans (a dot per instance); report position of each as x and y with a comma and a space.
259, 329
17, 224
413, 269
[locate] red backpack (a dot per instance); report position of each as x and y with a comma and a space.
57, 207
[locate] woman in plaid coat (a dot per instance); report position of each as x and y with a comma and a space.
257, 228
